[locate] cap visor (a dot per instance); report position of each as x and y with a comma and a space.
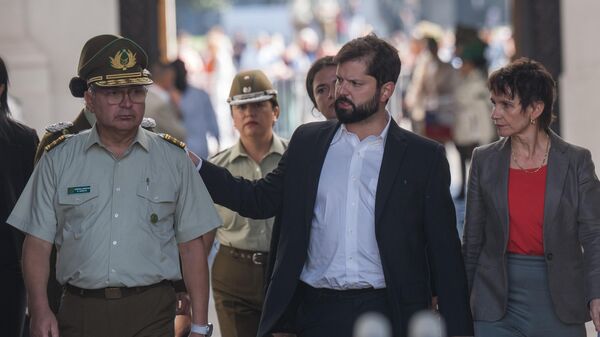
124, 82
251, 100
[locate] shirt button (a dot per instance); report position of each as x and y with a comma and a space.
114, 243
113, 271
116, 215
106, 282
118, 189
549, 256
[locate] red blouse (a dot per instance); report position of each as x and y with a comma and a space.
526, 191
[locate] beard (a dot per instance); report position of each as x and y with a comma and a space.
356, 113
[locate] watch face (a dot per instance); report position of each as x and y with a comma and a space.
210, 330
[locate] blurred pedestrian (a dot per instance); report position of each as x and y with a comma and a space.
199, 117
430, 95
17, 148
532, 229
472, 126
160, 105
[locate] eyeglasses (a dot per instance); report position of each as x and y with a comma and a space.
115, 96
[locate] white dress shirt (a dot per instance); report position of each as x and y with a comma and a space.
343, 252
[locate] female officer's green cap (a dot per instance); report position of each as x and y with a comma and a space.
249, 87
110, 61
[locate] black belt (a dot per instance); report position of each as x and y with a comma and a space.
112, 293
254, 257
327, 292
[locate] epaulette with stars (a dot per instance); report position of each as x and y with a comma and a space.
172, 140
57, 141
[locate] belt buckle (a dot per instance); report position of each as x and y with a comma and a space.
113, 293
255, 258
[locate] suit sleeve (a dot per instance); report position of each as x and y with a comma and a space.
444, 251
588, 219
260, 199
473, 235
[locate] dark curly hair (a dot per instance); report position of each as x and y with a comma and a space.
530, 82
381, 58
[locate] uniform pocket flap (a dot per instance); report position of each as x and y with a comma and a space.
156, 194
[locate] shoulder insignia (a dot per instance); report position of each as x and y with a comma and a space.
148, 123
57, 141
172, 140
59, 127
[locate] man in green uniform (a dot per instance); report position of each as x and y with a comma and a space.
239, 268
119, 202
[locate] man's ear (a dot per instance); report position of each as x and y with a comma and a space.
276, 112
387, 90
87, 96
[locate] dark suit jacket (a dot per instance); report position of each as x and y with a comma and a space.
415, 224
571, 221
17, 146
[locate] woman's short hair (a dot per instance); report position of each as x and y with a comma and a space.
531, 82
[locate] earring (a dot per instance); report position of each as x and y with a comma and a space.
532, 121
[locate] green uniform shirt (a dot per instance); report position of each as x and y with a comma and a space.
115, 222
237, 231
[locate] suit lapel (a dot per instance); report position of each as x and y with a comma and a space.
558, 165
393, 153
502, 166
316, 160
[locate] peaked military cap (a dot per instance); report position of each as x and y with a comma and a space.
110, 61
249, 87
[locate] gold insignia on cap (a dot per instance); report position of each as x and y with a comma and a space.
123, 59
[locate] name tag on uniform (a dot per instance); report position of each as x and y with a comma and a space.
78, 189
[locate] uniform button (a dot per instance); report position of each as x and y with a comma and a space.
262, 231
113, 271
114, 243
549, 256
106, 282
118, 189
116, 215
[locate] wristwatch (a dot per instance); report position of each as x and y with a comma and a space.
200, 329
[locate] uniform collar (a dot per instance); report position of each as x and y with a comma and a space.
276, 147
142, 138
